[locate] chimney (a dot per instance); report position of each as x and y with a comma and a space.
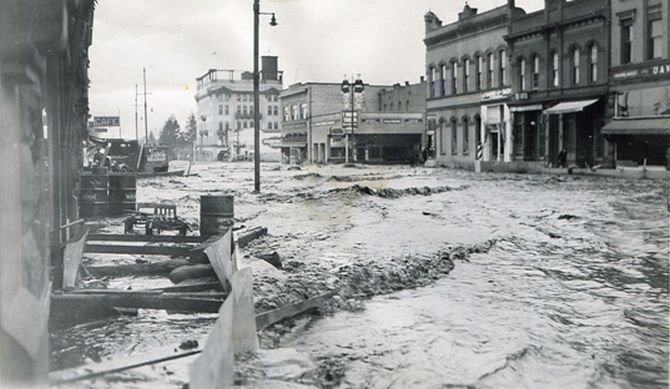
406, 83
422, 79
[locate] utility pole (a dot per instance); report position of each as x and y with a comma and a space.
146, 118
137, 137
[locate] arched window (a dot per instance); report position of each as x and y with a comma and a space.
555, 68
431, 82
454, 77
489, 75
594, 63
443, 137
522, 74
536, 72
443, 80
480, 69
454, 137
466, 75
502, 68
575, 66
466, 136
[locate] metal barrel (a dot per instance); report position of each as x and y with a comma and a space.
94, 195
122, 192
216, 214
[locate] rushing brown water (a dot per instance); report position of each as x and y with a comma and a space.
571, 289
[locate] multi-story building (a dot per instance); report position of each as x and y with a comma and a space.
226, 113
313, 129
559, 60
640, 82
467, 65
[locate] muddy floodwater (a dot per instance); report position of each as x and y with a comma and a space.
444, 279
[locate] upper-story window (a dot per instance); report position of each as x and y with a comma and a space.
239, 97
555, 70
479, 70
454, 77
502, 68
227, 109
466, 75
443, 80
275, 110
220, 109
269, 110
575, 66
654, 34
432, 80
295, 112
407, 106
536, 72
287, 114
593, 63
304, 111
489, 75
626, 25
522, 74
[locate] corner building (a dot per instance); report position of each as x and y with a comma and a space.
468, 84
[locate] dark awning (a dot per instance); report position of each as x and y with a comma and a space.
638, 126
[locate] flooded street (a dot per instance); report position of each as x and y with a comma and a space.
445, 278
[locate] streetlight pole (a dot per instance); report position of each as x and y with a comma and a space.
257, 111
146, 118
257, 129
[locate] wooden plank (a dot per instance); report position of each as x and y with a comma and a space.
72, 256
180, 251
147, 292
70, 301
135, 269
269, 318
247, 237
146, 238
192, 287
91, 371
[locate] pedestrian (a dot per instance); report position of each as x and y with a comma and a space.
562, 158
425, 154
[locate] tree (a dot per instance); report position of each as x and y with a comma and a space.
187, 135
168, 135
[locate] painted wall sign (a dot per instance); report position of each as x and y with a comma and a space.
496, 94
642, 71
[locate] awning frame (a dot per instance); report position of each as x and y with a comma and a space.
569, 107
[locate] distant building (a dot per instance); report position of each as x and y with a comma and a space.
559, 58
467, 67
226, 113
640, 82
313, 130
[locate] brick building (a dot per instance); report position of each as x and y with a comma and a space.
467, 65
225, 103
313, 130
640, 82
559, 60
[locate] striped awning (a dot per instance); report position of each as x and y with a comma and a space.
638, 126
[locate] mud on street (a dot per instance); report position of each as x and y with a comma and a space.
443, 278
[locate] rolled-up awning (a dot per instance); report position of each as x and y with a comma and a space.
638, 126
569, 106
526, 108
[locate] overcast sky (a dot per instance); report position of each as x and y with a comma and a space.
316, 40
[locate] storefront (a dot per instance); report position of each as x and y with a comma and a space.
496, 136
640, 126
